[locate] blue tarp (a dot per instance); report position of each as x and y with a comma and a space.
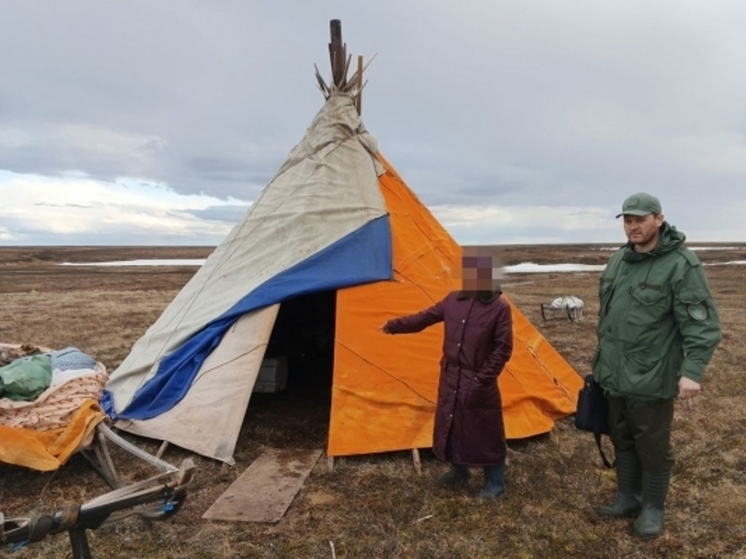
360, 257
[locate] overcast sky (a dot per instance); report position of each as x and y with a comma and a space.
159, 122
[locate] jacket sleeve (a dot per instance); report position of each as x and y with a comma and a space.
418, 321
502, 344
698, 321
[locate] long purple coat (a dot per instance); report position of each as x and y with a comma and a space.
478, 341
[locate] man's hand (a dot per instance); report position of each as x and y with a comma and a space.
688, 388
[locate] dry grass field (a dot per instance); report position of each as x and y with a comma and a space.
377, 506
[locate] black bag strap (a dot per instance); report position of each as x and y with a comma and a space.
611, 271
608, 464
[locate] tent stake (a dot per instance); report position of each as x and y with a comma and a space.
161, 449
416, 461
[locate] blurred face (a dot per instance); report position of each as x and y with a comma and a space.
477, 277
477, 271
643, 231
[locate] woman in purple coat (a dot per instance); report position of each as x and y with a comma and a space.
478, 341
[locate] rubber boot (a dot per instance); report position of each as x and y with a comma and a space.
456, 475
494, 482
649, 524
627, 503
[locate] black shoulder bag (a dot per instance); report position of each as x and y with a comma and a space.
593, 413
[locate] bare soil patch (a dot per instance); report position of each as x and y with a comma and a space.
375, 505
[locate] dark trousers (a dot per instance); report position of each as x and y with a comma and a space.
645, 427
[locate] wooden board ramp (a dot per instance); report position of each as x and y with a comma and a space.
265, 490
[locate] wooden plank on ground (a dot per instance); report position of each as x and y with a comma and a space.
265, 490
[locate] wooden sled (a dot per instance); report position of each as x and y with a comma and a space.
156, 498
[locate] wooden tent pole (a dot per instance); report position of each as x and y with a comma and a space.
359, 96
337, 54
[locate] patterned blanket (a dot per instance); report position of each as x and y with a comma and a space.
44, 433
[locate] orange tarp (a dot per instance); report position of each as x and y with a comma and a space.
385, 387
48, 450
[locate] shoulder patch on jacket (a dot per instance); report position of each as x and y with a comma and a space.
697, 312
690, 257
696, 303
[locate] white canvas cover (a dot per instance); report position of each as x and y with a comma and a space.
208, 420
326, 189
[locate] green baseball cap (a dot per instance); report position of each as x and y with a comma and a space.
641, 204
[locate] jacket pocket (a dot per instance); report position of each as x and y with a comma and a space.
479, 393
642, 375
642, 319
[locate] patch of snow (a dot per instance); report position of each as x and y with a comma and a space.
532, 268
689, 247
154, 262
731, 263
522, 268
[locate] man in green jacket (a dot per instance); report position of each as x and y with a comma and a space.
657, 330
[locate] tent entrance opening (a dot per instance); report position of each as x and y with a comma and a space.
302, 337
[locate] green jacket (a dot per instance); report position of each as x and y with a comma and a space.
657, 321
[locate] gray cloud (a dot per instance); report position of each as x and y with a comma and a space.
475, 103
48, 205
228, 214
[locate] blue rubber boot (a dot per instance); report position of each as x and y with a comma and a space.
494, 482
455, 476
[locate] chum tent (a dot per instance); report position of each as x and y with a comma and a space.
337, 220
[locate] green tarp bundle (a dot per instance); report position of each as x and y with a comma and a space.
24, 379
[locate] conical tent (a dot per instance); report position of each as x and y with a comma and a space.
336, 217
